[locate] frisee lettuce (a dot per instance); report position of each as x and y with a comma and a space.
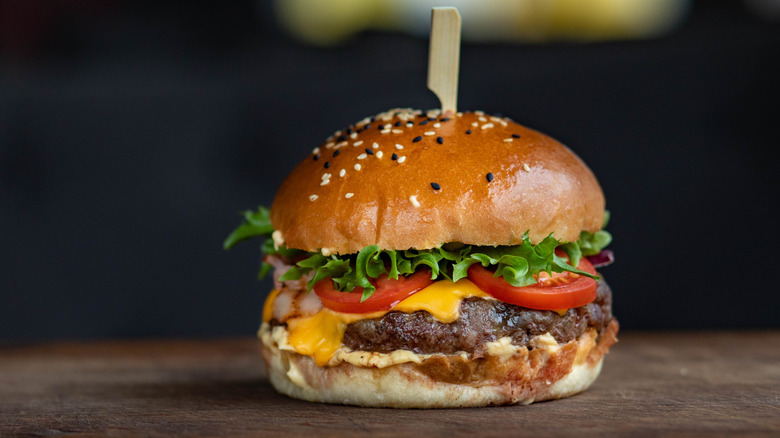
517, 264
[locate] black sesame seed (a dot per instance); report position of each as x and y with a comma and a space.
468, 131
489, 177
435, 186
432, 119
446, 119
515, 136
369, 151
439, 140
372, 119
380, 127
394, 157
368, 126
316, 157
424, 122
418, 138
342, 137
336, 154
327, 164
397, 124
349, 130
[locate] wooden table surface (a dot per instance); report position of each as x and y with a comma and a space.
653, 384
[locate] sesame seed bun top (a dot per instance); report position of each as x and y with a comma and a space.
408, 179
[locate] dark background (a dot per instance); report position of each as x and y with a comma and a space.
131, 135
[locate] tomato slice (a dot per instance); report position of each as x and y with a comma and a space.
563, 290
388, 293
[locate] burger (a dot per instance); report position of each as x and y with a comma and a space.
428, 259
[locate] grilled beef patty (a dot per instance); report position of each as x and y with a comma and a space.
480, 321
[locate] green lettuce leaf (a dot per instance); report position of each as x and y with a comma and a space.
255, 224
258, 224
517, 264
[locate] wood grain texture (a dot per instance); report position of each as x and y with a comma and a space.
653, 384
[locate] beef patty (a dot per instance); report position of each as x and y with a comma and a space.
480, 321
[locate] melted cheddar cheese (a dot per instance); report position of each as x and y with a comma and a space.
441, 299
320, 335
268, 307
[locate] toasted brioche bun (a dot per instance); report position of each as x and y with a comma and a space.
548, 371
538, 185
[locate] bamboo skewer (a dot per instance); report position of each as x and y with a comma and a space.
444, 57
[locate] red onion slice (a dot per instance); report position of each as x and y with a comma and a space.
603, 258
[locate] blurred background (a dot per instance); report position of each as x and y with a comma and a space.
133, 133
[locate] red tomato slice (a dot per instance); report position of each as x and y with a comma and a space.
563, 290
388, 293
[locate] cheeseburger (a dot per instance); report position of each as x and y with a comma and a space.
423, 260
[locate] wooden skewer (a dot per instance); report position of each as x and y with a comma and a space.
444, 57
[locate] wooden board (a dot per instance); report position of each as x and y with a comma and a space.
653, 384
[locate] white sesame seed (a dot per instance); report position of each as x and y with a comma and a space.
353, 135
430, 132
313, 198
495, 119
326, 252
375, 145
388, 126
479, 113
342, 172
325, 182
402, 159
342, 144
362, 156
384, 131
277, 238
315, 151
379, 154
475, 124
503, 123
357, 143
349, 195
397, 131
409, 124
459, 114
326, 175
357, 166
487, 125
330, 145
437, 125
398, 146
414, 201
482, 119
509, 140
526, 168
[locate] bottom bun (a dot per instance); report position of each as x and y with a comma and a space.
507, 376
